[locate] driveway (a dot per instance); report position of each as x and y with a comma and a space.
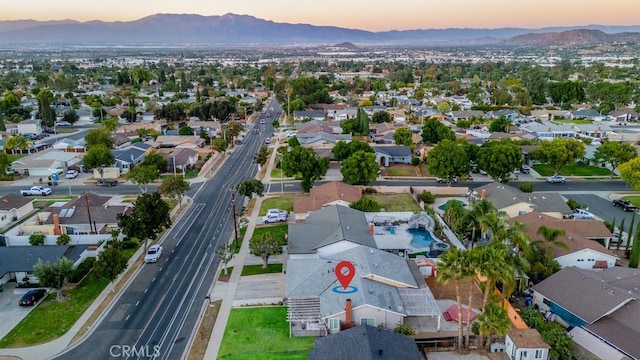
10, 312
601, 207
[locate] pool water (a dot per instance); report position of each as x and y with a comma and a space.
421, 238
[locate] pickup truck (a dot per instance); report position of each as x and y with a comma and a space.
36, 190
626, 205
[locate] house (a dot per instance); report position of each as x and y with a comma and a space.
548, 115
331, 193
548, 131
581, 237
393, 154
601, 306
178, 141
624, 115
526, 344
466, 115
128, 158
515, 203
595, 132
45, 163
181, 160
70, 145
14, 207
588, 114
31, 126
121, 140
365, 342
318, 115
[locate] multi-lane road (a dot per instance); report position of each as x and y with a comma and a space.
156, 315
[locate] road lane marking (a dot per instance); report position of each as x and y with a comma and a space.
137, 302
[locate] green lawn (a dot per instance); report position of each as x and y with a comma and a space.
249, 270
573, 170
401, 171
635, 199
276, 230
396, 202
282, 203
261, 333
52, 319
572, 121
276, 174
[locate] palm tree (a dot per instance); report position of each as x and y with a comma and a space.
288, 89
472, 261
494, 320
17, 142
494, 264
478, 210
550, 236
451, 267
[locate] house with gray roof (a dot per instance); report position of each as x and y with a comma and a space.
14, 207
624, 115
318, 115
601, 306
588, 114
127, 158
549, 131
466, 115
367, 343
393, 154
516, 203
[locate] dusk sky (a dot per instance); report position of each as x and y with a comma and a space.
373, 15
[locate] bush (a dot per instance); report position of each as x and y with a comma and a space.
527, 187
609, 225
82, 270
129, 244
573, 204
415, 161
37, 239
63, 239
428, 197
405, 329
366, 205
369, 190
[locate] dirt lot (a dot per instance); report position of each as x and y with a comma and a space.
448, 291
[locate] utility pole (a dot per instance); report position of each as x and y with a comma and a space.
233, 208
86, 202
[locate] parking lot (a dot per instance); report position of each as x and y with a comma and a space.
10, 312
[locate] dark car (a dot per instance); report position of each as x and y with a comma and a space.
106, 182
32, 297
626, 205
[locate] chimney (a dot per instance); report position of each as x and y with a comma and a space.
348, 316
56, 225
484, 194
371, 228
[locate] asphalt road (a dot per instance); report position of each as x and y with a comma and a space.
601, 208
156, 315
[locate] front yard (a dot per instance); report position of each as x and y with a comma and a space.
395, 202
401, 170
261, 333
635, 199
282, 203
572, 170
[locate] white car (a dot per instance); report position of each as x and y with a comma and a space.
71, 174
277, 212
153, 254
63, 123
581, 214
274, 218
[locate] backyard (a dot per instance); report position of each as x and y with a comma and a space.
572, 170
395, 202
282, 203
261, 333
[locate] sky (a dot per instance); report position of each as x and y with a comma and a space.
372, 15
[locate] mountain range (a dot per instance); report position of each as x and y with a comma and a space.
246, 30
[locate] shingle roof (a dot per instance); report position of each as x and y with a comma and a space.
365, 342
13, 201
395, 151
570, 287
128, 155
501, 196
621, 329
324, 194
527, 339
22, 258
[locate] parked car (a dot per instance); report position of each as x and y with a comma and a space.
581, 214
274, 218
106, 182
153, 254
444, 181
36, 190
525, 169
277, 212
71, 174
267, 141
63, 123
626, 205
31, 297
49, 131
556, 179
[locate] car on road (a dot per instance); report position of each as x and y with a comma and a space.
581, 214
625, 205
31, 297
525, 169
274, 218
106, 182
556, 179
63, 123
444, 181
36, 190
49, 131
267, 141
262, 121
153, 254
71, 174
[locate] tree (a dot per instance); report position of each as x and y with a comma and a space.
220, 144
450, 268
444, 107
614, 153
150, 215
494, 320
251, 186
225, 253
71, 116
550, 236
479, 209
262, 155
448, 160
37, 239
63, 239
494, 265
630, 172
366, 205
634, 256
551, 332
500, 124
265, 245
306, 162
362, 122
53, 275
17, 142
45, 111
111, 262
433, 131
404, 329
499, 158
5, 162
342, 150
380, 117
360, 168
142, 175
98, 156
403, 136
293, 142
174, 187
156, 160
185, 131
99, 136
558, 153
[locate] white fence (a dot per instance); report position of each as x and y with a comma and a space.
23, 240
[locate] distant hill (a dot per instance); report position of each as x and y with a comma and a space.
571, 37
246, 30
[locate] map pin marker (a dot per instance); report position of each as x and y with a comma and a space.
345, 271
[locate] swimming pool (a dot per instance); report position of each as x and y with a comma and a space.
421, 238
